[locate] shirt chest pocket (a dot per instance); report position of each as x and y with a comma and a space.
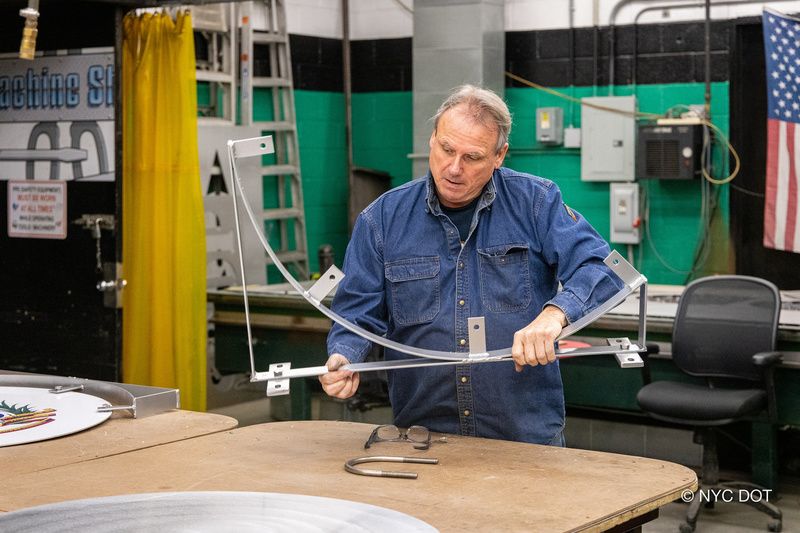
414, 289
505, 278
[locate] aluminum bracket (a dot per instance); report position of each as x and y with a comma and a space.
477, 337
278, 385
629, 360
326, 283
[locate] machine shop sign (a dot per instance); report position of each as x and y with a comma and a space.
57, 117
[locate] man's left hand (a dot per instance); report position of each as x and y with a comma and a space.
535, 343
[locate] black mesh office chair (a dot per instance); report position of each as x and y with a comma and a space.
725, 330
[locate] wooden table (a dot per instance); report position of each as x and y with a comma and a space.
119, 434
479, 484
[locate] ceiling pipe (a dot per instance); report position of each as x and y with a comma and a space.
623, 3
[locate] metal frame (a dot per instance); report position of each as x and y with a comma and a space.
278, 376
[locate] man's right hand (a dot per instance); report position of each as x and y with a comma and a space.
339, 383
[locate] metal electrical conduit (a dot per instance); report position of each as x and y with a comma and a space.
622, 3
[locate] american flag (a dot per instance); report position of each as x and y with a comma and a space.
782, 50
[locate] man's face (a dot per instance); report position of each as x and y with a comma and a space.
463, 157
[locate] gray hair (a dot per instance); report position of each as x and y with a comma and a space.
485, 107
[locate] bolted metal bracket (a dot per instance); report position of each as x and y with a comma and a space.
95, 222
626, 359
111, 285
326, 283
629, 360
477, 337
278, 386
623, 343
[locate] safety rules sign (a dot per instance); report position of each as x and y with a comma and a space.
37, 209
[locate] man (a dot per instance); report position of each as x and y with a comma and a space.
470, 239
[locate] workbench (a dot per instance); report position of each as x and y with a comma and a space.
478, 485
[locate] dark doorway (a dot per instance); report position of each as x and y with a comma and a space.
52, 316
748, 111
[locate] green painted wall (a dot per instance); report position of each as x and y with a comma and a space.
323, 163
382, 136
383, 133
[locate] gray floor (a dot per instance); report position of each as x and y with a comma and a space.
254, 408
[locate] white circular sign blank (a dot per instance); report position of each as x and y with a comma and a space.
30, 414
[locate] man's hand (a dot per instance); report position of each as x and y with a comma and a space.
339, 383
534, 344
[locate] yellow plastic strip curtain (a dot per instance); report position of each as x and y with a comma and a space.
163, 228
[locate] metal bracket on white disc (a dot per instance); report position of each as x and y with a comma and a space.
258, 146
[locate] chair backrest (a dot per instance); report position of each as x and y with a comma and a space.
722, 321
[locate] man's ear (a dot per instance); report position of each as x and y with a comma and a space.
501, 155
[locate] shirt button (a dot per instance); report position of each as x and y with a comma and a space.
461, 264
464, 379
466, 412
461, 302
462, 342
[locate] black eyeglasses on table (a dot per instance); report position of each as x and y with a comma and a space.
419, 436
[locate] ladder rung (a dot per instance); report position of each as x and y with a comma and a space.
210, 75
289, 257
274, 125
264, 81
279, 170
282, 213
265, 37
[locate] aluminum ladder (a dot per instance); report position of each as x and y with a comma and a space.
265, 64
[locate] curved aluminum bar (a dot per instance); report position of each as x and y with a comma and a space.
250, 148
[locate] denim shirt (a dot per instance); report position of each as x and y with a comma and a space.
409, 278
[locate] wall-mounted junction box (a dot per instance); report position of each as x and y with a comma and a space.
625, 220
550, 125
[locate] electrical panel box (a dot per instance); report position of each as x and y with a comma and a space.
550, 125
608, 138
572, 137
625, 220
669, 152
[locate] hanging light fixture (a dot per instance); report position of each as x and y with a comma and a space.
27, 48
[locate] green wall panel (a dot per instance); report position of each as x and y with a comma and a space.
323, 163
383, 133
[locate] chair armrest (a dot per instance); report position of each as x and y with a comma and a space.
766, 359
